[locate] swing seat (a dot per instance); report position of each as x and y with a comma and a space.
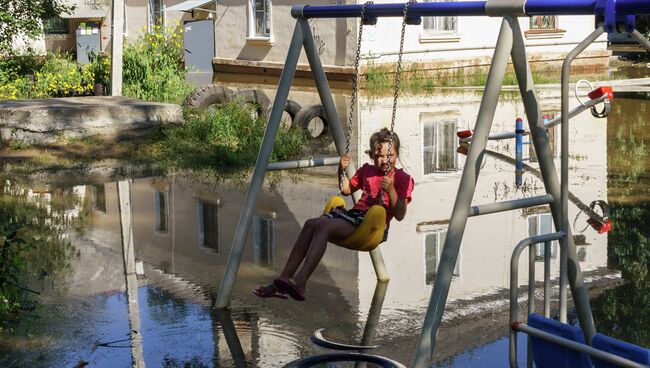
369, 233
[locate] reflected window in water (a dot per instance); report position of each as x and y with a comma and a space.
160, 211
209, 225
263, 240
437, 25
99, 197
552, 140
439, 144
433, 243
538, 224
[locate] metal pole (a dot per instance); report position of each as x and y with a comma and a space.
316, 162
564, 169
531, 296
642, 40
514, 285
128, 252
549, 175
514, 204
335, 126
464, 196
374, 313
257, 179
519, 143
232, 339
547, 279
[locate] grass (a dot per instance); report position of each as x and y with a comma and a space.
415, 78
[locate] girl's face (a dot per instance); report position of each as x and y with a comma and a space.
380, 156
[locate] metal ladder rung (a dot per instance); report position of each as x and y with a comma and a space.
514, 204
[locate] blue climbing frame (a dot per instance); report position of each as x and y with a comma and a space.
611, 16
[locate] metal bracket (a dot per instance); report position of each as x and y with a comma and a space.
413, 20
606, 12
297, 11
501, 8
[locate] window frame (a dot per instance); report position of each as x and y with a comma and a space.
457, 269
435, 118
540, 33
438, 36
258, 219
157, 218
58, 31
201, 236
251, 36
539, 247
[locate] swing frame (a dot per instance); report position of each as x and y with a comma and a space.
612, 16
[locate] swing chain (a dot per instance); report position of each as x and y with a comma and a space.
355, 78
398, 73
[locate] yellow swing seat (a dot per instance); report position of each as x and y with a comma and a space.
369, 233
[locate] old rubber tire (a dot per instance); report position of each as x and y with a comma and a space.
309, 113
254, 97
206, 96
292, 108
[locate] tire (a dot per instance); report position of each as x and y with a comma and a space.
206, 96
292, 108
309, 113
254, 97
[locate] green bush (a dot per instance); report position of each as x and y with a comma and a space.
228, 138
153, 67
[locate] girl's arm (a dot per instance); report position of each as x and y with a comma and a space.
344, 183
398, 205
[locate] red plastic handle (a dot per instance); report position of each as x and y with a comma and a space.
600, 91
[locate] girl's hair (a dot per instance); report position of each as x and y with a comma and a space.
383, 136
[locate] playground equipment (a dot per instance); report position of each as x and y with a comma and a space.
611, 16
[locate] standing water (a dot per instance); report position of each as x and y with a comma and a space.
90, 312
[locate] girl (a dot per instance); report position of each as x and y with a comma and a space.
396, 187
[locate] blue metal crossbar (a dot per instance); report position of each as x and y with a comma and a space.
468, 8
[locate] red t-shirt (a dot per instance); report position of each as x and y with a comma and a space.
368, 179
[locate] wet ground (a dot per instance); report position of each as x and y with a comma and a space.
91, 312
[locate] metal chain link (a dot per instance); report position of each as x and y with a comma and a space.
355, 78
398, 73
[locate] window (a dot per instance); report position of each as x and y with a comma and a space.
439, 145
99, 197
209, 225
56, 25
263, 240
156, 13
542, 224
260, 16
543, 22
160, 211
433, 243
440, 24
552, 140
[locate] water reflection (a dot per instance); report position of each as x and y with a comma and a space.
182, 230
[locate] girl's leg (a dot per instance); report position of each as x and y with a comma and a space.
333, 230
301, 246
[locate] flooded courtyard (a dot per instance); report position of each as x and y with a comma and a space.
103, 304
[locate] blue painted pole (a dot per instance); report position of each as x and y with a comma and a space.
519, 143
466, 8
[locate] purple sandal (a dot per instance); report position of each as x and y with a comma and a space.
269, 291
288, 286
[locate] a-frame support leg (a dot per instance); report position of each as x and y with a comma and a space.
464, 196
549, 175
262, 162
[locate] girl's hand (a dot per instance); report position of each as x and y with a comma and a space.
387, 184
344, 162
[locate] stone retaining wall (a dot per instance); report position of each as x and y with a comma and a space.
47, 120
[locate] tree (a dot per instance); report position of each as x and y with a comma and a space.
24, 18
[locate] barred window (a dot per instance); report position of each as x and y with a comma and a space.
261, 16
439, 145
433, 243
56, 25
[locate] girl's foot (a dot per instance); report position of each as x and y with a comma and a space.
289, 286
269, 291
